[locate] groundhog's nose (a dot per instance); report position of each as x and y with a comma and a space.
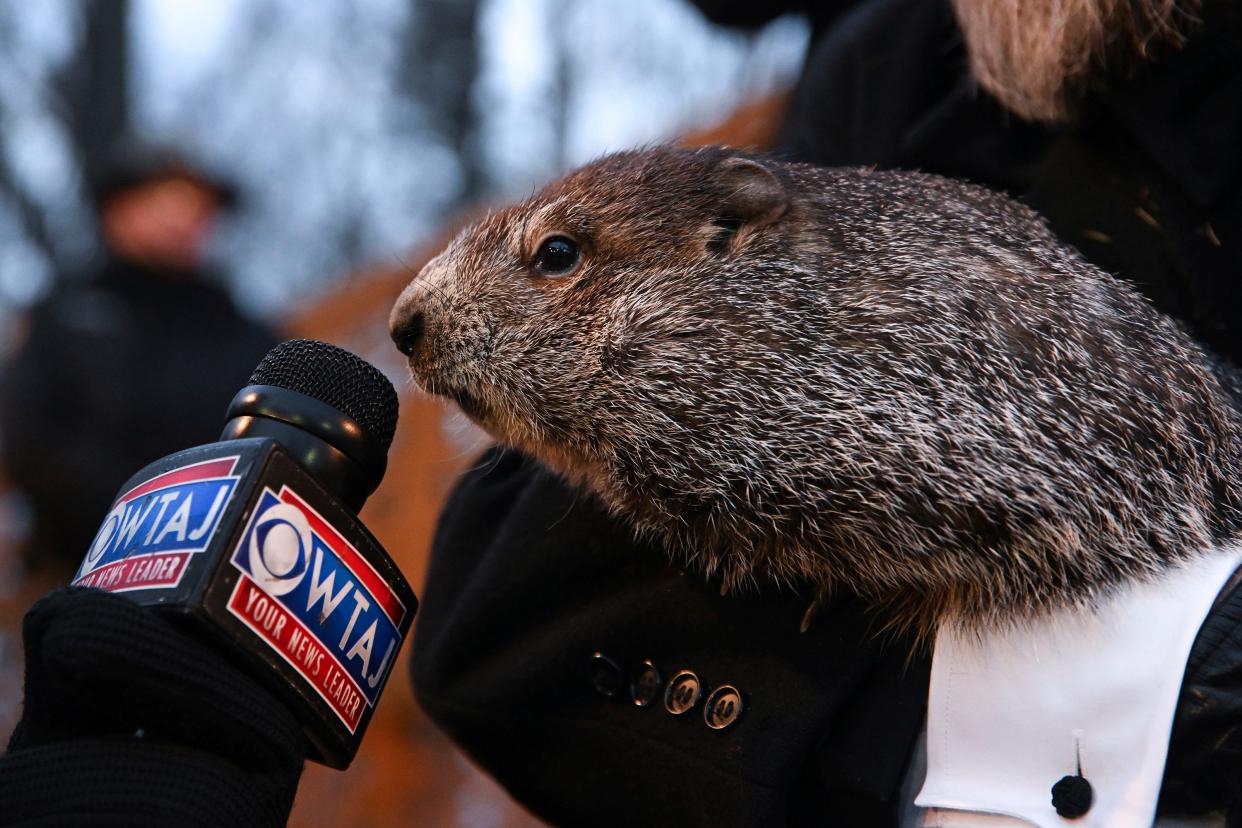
407, 332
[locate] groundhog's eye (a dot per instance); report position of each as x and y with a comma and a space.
556, 256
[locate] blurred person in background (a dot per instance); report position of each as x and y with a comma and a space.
134, 360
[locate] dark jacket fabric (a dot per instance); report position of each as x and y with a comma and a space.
1203, 771
118, 370
530, 579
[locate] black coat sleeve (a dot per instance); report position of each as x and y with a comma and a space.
1203, 771
127, 720
530, 580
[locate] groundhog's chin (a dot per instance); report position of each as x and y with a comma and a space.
470, 404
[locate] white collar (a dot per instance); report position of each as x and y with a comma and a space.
1011, 712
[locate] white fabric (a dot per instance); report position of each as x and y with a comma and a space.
1009, 712
937, 818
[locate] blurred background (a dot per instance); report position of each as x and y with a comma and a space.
307, 157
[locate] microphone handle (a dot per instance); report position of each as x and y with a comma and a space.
248, 548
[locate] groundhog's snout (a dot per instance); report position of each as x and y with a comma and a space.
407, 327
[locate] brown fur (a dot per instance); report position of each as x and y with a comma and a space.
886, 381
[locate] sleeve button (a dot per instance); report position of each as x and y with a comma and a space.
646, 684
606, 676
723, 707
682, 693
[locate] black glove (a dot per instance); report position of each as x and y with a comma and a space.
129, 721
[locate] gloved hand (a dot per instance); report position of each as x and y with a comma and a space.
127, 720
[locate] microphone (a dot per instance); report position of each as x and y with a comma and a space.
255, 543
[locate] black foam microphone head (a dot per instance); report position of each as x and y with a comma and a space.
333, 375
333, 411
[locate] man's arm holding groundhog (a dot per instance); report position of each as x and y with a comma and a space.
518, 605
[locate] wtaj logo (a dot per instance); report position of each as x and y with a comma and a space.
317, 602
147, 538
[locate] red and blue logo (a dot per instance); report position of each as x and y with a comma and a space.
147, 539
316, 601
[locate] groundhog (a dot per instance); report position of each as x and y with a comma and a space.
884, 381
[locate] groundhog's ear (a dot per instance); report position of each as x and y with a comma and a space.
752, 193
